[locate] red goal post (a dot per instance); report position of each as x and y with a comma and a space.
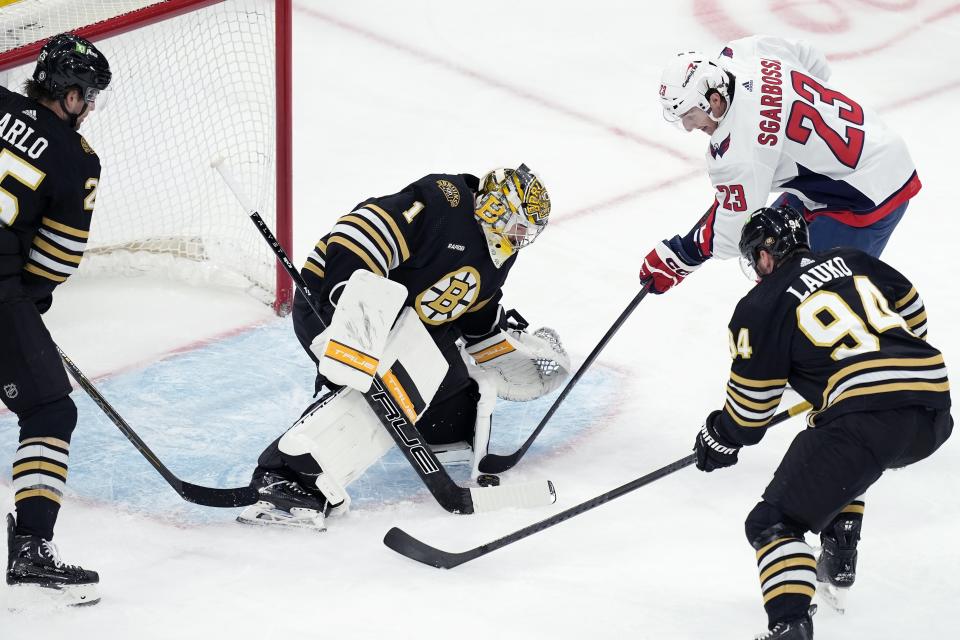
193, 80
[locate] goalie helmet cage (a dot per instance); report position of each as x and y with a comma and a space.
193, 80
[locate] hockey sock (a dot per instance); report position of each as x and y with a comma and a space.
787, 578
40, 465
39, 479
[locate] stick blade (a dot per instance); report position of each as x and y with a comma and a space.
211, 497
406, 545
492, 463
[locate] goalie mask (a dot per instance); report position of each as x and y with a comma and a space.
512, 207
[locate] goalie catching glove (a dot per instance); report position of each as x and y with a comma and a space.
526, 365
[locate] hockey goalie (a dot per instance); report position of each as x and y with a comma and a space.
409, 288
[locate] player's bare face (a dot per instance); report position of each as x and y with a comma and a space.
765, 264
76, 104
697, 118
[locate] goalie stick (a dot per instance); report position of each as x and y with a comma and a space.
406, 436
494, 463
406, 545
206, 496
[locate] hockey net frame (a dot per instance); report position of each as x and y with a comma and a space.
162, 10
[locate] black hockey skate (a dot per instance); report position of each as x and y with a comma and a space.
798, 629
33, 564
286, 503
837, 563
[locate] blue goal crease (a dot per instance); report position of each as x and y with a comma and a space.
208, 413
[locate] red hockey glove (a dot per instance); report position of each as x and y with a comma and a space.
713, 451
663, 268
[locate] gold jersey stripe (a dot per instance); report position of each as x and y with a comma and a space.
905, 299
56, 442
321, 247
373, 233
749, 382
853, 508
310, 266
399, 394
495, 351
59, 226
749, 424
876, 364
892, 387
763, 550
805, 561
401, 242
52, 250
753, 404
913, 322
37, 465
801, 589
37, 493
32, 268
351, 357
360, 251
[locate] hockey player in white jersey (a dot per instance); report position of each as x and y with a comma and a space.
775, 125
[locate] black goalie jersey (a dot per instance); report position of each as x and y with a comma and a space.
844, 330
48, 184
426, 238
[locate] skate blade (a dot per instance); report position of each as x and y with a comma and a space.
27, 597
833, 596
265, 515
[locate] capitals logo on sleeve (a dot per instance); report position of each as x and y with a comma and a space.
717, 150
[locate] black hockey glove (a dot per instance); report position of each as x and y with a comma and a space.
713, 451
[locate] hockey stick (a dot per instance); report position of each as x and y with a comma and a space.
494, 463
405, 544
406, 436
206, 496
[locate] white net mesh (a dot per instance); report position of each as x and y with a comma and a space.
185, 90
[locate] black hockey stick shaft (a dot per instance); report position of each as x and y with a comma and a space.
405, 544
494, 463
405, 434
206, 496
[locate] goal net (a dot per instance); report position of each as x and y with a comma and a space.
193, 80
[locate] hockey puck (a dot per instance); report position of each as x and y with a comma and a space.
488, 480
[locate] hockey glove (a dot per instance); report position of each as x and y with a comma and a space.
713, 451
663, 268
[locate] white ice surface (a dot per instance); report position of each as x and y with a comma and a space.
387, 92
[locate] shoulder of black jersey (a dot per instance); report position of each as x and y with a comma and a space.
445, 190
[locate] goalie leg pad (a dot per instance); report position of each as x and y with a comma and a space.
487, 386
349, 350
412, 367
344, 437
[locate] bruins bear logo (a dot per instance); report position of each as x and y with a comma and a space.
449, 297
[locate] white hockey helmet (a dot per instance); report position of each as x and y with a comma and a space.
686, 80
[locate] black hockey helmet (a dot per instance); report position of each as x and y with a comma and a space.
66, 61
777, 230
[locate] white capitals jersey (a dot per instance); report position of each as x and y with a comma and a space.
785, 130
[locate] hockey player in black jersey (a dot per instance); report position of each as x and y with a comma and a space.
48, 186
847, 332
450, 240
